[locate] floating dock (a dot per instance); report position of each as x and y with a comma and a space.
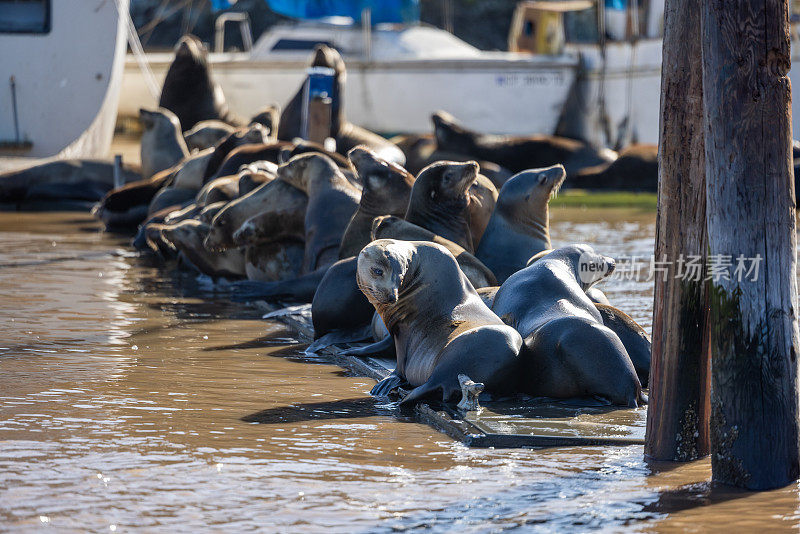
527, 423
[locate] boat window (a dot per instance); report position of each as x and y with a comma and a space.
528, 28
25, 16
299, 44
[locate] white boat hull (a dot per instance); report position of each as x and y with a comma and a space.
498, 96
67, 82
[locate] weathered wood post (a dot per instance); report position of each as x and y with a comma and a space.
677, 418
751, 223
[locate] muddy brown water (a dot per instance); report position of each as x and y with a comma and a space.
134, 397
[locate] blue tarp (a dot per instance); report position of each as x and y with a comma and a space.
397, 11
218, 5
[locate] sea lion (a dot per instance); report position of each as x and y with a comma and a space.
255, 134
274, 260
162, 145
568, 351
440, 326
189, 90
221, 189
269, 117
125, 207
61, 181
440, 201
210, 211
514, 152
388, 227
249, 180
346, 134
206, 134
636, 169
187, 236
284, 207
386, 190
519, 226
332, 201
171, 197
633, 336
338, 304
246, 155
482, 199
191, 171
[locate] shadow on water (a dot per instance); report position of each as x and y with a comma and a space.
317, 411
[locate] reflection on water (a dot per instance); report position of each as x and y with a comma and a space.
135, 398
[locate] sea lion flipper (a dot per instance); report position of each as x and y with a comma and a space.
383, 348
387, 385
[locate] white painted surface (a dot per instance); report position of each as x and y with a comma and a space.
67, 80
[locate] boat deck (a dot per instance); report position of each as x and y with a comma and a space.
527, 423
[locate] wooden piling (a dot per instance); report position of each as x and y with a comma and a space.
319, 119
678, 414
751, 212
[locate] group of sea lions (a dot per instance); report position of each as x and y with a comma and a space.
434, 248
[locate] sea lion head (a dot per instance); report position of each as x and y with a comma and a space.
386, 186
382, 268
160, 121
383, 224
303, 168
269, 117
588, 266
450, 135
446, 183
527, 194
191, 50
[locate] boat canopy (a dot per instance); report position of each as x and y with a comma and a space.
382, 11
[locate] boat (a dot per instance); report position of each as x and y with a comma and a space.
585, 69
60, 77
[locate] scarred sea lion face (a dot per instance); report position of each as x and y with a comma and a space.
381, 267
447, 182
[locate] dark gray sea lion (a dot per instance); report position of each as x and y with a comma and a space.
247, 154
162, 145
283, 207
388, 227
440, 326
482, 199
636, 169
249, 181
386, 190
269, 117
633, 336
440, 201
187, 236
338, 305
568, 351
210, 211
273, 261
59, 181
346, 134
124, 208
519, 227
206, 134
255, 134
191, 170
171, 197
221, 189
516, 153
332, 201
189, 90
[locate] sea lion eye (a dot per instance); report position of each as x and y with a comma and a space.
376, 272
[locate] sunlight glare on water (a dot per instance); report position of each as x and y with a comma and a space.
135, 398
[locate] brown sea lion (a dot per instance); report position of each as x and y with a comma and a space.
386, 191
255, 134
440, 201
636, 169
189, 89
516, 153
282, 205
440, 326
520, 223
388, 227
332, 201
124, 208
482, 199
187, 236
206, 134
272, 261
